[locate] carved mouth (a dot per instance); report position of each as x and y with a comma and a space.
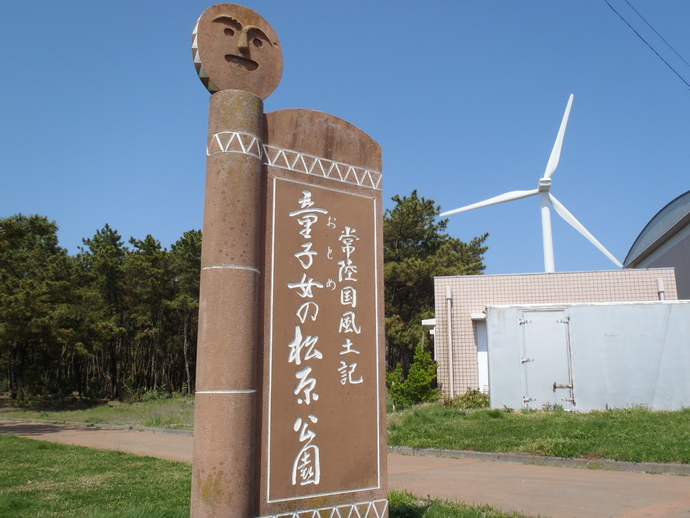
241, 62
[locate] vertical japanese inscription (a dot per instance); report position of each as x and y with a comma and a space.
323, 402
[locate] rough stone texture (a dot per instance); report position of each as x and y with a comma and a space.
347, 419
232, 216
228, 330
235, 48
238, 56
225, 453
322, 135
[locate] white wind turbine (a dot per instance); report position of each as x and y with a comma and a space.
547, 201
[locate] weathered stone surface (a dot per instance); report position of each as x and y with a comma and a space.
234, 48
290, 413
225, 423
224, 455
323, 439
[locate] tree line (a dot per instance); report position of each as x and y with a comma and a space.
117, 320
110, 322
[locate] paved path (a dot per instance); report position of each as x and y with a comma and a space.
530, 489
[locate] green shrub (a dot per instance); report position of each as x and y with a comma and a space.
470, 400
420, 384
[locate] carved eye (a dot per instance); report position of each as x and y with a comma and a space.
257, 42
229, 32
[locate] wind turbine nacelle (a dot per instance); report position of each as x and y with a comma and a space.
544, 184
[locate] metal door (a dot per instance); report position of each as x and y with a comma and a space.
546, 359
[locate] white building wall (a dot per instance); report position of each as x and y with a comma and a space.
621, 355
472, 293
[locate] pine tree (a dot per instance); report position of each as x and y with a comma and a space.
186, 264
416, 249
36, 299
103, 261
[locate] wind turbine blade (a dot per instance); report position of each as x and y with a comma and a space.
501, 198
567, 216
558, 145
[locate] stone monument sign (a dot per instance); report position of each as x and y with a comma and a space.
290, 413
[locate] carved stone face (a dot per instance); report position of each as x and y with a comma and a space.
234, 48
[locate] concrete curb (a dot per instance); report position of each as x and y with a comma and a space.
564, 462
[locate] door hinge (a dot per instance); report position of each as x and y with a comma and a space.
526, 399
557, 386
523, 321
565, 320
526, 360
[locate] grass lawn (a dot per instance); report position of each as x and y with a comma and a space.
634, 435
175, 413
41, 479
405, 505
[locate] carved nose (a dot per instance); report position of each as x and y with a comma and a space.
242, 42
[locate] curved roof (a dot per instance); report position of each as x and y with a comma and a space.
667, 222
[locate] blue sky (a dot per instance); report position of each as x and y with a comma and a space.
103, 120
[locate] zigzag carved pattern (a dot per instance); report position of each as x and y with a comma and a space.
373, 509
234, 142
203, 75
237, 142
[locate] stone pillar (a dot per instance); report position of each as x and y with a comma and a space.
226, 453
240, 398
